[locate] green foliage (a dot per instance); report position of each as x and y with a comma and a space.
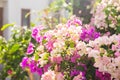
110, 53
57, 12
110, 10
70, 44
87, 61
12, 52
81, 68
6, 26
60, 4
118, 30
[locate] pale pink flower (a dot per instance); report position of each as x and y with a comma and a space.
56, 59
30, 48
114, 47
50, 75
59, 76
93, 53
117, 53
49, 45
79, 77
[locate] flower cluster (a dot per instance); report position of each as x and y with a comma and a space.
106, 52
107, 16
89, 34
58, 54
74, 51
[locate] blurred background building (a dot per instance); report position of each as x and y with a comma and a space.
15, 11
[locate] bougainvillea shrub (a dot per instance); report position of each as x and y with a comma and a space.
61, 53
106, 16
74, 51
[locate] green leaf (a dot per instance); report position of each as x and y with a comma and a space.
46, 56
6, 26
118, 30
72, 44
32, 24
28, 14
81, 68
14, 48
36, 56
104, 47
90, 73
101, 54
44, 41
110, 53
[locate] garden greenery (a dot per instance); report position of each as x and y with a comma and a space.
12, 52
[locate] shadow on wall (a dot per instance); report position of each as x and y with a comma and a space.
82, 8
0, 69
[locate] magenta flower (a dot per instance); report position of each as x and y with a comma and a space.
30, 48
33, 66
24, 62
49, 45
35, 32
40, 71
74, 72
46, 67
101, 76
89, 34
75, 57
39, 38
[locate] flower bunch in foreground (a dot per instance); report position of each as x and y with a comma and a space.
61, 53
73, 51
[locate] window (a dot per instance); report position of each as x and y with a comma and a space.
1, 19
25, 21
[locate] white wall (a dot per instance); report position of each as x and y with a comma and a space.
0, 3
5, 18
15, 6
